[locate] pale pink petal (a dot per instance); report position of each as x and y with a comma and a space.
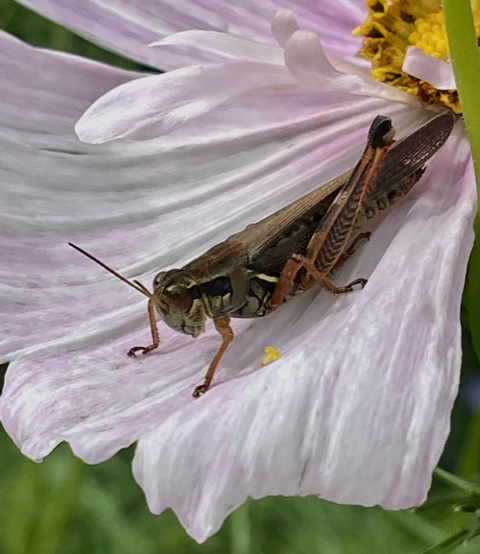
358, 408
60, 92
158, 105
309, 65
150, 107
284, 25
223, 46
306, 60
127, 27
438, 73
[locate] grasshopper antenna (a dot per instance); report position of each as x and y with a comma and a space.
134, 284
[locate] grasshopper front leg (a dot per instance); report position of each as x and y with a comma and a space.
153, 328
222, 325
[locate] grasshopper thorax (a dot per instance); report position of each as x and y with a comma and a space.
181, 304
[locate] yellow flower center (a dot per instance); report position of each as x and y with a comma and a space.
391, 27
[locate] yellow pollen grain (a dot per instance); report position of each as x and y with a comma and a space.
271, 355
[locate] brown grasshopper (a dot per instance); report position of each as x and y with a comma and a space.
253, 272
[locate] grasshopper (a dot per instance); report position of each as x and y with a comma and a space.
253, 272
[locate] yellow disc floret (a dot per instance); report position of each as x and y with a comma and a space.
394, 25
430, 35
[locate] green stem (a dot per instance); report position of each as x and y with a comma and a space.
466, 67
240, 532
456, 482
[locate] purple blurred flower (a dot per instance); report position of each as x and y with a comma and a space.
357, 409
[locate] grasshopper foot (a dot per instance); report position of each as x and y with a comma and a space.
349, 287
201, 389
143, 349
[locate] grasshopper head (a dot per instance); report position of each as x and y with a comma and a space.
181, 305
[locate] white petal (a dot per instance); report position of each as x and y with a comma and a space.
284, 25
150, 107
438, 73
44, 99
127, 27
223, 46
309, 65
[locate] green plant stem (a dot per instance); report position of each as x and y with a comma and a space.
466, 66
465, 58
456, 482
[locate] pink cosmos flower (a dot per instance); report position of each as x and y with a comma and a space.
357, 409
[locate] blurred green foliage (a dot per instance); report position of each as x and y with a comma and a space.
64, 506
472, 293
38, 31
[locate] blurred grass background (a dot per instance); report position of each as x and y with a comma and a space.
64, 506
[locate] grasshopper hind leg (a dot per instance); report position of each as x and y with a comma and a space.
352, 248
155, 336
290, 271
320, 277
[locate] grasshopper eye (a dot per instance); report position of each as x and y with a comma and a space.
158, 279
178, 298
